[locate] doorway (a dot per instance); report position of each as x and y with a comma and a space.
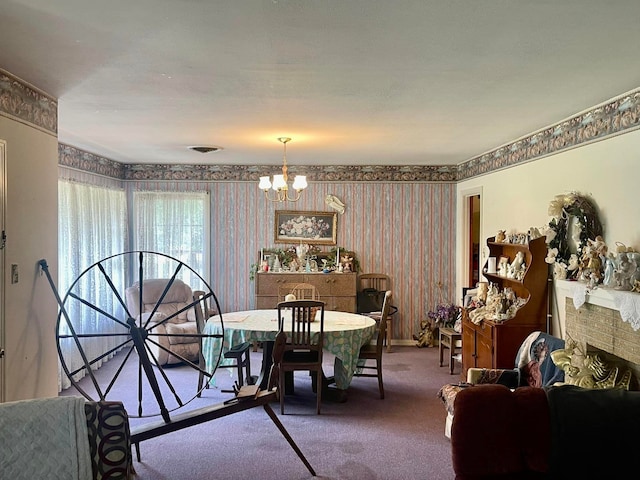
3, 203
473, 254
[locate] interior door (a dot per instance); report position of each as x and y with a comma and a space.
3, 202
474, 240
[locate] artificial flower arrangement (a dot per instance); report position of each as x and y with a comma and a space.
444, 315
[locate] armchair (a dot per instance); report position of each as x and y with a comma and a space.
171, 326
533, 368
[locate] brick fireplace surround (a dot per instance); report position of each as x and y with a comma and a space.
599, 329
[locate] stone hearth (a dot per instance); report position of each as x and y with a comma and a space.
601, 330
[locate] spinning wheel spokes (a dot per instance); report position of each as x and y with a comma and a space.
99, 335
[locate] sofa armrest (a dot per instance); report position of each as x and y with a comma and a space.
497, 432
109, 440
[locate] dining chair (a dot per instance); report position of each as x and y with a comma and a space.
297, 347
374, 285
239, 353
302, 291
374, 352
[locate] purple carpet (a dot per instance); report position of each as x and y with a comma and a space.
400, 437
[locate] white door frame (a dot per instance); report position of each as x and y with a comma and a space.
3, 203
465, 234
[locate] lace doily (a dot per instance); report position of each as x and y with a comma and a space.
627, 303
579, 295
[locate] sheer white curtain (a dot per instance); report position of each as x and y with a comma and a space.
92, 225
175, 224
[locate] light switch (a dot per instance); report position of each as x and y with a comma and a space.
15, 277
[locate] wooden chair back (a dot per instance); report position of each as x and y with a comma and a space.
382, 323
374, 353
297, 347
302, 291
379, 281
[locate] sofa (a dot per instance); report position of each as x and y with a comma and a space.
64, 437
553, 432
534, 367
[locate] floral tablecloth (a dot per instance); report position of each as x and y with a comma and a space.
344, 334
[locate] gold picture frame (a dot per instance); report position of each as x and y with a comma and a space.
319, 228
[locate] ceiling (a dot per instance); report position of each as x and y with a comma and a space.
353, 82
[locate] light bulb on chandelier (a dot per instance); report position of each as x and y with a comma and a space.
280, 183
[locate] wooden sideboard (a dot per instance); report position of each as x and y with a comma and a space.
337, 290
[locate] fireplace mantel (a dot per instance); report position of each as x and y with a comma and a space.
627, 303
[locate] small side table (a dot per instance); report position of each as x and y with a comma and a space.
449, 338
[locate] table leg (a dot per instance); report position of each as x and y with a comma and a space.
440, 347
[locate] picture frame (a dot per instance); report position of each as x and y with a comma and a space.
319, 228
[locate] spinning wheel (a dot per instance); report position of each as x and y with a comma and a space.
128, 361
96, 329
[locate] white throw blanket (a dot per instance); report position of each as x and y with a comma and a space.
44, 438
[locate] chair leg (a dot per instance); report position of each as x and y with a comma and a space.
389, 333
248, 368
319, 388
200, 379
380, 386
240, 372
281, 390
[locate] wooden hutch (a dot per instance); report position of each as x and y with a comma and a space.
492, 343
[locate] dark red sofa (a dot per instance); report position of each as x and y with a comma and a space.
555, 432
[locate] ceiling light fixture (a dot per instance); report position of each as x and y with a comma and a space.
280, 182
205, 148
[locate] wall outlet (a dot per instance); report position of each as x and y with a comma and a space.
15, 276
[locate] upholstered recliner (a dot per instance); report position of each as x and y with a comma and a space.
169, 331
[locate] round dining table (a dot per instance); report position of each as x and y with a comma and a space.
344, 334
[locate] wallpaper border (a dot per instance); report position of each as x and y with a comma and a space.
26, 104
614, 117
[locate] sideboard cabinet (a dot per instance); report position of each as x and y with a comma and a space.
492, 343
337, 290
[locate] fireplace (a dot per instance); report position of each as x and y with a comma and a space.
601, 330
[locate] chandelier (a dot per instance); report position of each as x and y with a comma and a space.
280, 182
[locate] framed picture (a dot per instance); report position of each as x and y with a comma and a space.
309, 227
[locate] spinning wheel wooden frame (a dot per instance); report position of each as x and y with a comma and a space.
132, 338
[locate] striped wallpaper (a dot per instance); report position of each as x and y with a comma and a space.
405, 230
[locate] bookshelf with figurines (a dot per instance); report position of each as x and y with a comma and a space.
516, 302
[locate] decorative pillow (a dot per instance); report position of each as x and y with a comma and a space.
448, 394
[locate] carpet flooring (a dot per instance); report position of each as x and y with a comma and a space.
398, 438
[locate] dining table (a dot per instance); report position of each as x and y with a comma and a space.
344, 334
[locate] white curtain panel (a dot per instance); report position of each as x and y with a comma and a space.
174, 224
92, 225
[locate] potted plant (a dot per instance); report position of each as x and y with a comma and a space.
445, 315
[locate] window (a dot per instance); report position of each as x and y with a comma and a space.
175, 224
92, 225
